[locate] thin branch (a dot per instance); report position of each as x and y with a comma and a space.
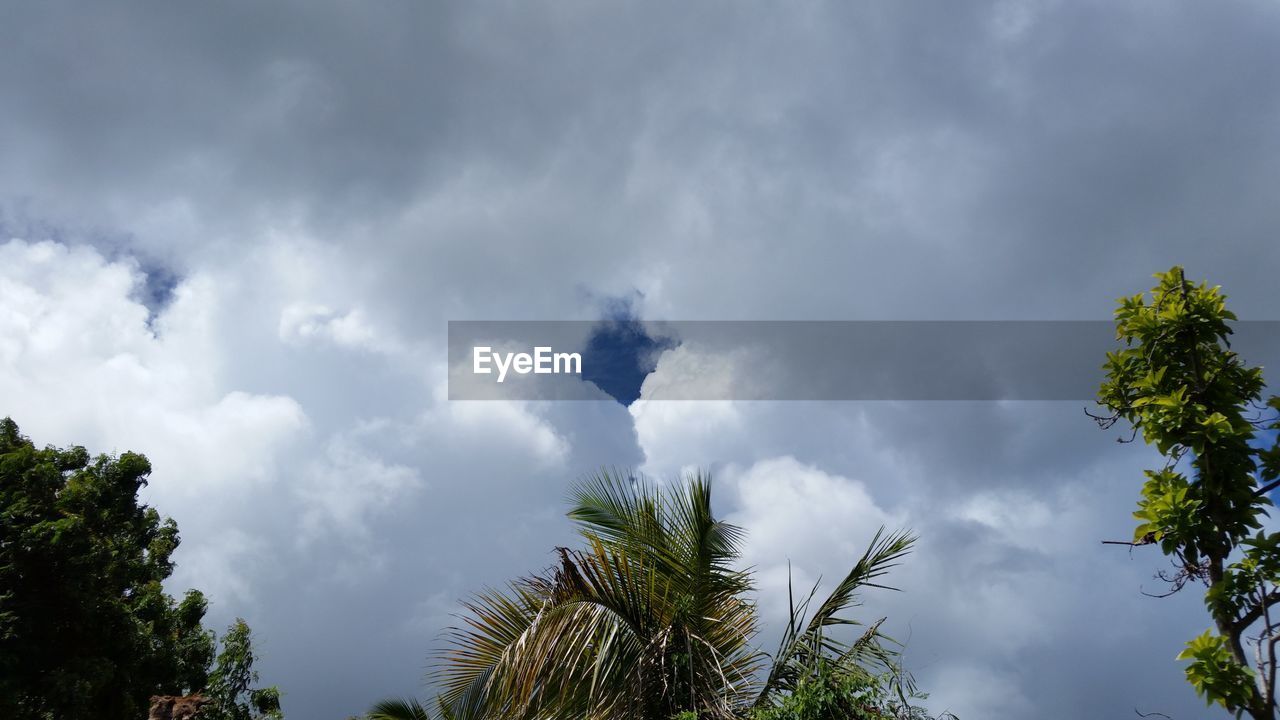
1148, 539
1257, 611
1269, 690
1259, 420
1104, 421
1266, 488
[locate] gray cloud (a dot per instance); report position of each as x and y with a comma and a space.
328, 183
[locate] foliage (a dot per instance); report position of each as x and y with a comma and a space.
86, 628
1215, 674
651, 619
1177, 382
816, 676
231, 680
809, 651
831, 694
827, 696
646, 620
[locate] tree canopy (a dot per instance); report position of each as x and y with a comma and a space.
87, 630
1177, 382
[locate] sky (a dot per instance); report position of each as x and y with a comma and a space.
232, 234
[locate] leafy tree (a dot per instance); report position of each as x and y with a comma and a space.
1177, 382
230, 682
830, 694
86, 628
652, 619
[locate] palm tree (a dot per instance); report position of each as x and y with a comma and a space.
650, 619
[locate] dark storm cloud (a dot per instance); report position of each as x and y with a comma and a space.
426, 162
1053, 151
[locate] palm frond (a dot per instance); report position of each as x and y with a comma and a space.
495, 625
397, 709
801, 650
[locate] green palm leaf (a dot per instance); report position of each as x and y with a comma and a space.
801, 649
397, 710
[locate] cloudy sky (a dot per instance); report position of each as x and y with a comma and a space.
231, 236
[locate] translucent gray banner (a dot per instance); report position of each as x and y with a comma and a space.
794, 360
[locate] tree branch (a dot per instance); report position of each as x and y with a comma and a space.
1256, 612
